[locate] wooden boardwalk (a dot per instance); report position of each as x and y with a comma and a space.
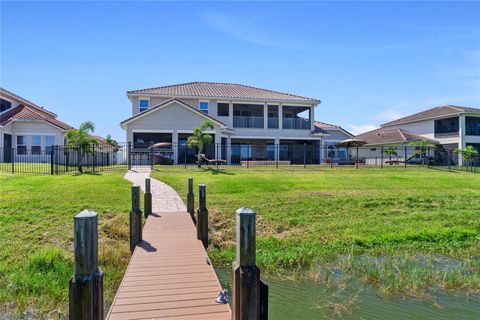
169, 275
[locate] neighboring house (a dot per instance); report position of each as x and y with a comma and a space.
248, 122
448, 127
330, 152
27, 127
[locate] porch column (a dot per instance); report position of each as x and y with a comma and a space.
265, 116
312, 117
229, 150
277, 149
175, 146
218, 145
280, 116
230, 114
321, 150
461, 136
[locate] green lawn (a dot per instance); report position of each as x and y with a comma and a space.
36, 233
326, 215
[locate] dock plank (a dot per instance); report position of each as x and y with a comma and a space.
169, 275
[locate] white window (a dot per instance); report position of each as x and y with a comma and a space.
36, 145
204, 106
21, 145
144, 104
49, 142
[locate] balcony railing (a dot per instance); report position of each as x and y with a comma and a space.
446, 134
247, 122
273, 123
296, 123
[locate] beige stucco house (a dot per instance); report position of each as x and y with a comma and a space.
249, 122
27, 128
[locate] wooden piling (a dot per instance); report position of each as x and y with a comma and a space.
249, 292
147, 198
86, 286
191, 200
202, 216
135, 219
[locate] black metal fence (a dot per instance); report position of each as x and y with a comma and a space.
96, 158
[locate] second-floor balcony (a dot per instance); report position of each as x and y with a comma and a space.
296, 123
247, 122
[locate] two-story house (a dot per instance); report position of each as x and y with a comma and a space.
249, 123
27, 129
448, 127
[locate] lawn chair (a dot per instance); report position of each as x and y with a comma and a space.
204, 160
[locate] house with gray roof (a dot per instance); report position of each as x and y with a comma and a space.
250, 123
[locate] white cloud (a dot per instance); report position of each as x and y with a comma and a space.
361, 128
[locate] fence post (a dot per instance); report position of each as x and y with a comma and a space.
277, 146
52, 154
405, 157
94, 156
428, 157
185, 157
57, 158
191, 199
216, 155
249, 292
86, 286
356, 161
381, 157
304, 155
202, 216
147, 198
129, 155
135, 219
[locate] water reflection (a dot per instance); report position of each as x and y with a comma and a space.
309, 300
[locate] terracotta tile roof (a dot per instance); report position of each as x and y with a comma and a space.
433, 113
180, 102
382, 135
26, 102
222, 90
23, 112
328, 126
317, 130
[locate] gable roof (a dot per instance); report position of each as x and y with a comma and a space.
23, 112
168, 102
222, 91
436, 112
328, 126
383, 136
26, 102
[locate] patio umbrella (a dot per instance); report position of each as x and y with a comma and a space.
161, 145
351, 143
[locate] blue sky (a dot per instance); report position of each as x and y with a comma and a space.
369, 62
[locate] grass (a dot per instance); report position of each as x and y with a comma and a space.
326, 217
36, 233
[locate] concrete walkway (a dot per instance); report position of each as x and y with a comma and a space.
164, 197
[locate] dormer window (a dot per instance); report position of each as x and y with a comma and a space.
4, 105
144, 104
204, 106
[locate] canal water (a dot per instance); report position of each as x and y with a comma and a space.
303, 299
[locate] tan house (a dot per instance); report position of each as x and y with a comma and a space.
249, 122
28, 128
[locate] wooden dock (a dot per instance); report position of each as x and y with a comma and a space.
169, 275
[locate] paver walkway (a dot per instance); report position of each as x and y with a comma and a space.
169, 275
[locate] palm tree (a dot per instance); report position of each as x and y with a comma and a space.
390, 151
82, 140
468, 153
422, 145
113, 143
200, 139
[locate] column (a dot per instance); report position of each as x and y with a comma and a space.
280, 116
175, 146
218, 145
265, 116
229, 150
321, 150
277, 149
312, 117
230, 114
461, 137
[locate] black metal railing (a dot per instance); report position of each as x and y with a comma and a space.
102, 157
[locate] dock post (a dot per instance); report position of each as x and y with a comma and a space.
86, 286
147, 198
202, 216
191, 199
135, 219
249, 292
